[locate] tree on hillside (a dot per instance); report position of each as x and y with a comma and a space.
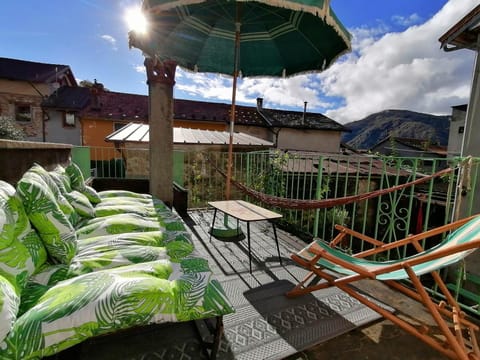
9, 130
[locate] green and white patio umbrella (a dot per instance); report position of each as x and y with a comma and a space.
251, 38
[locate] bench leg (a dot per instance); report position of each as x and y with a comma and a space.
217, 337
215, 332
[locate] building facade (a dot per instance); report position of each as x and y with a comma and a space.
23, 87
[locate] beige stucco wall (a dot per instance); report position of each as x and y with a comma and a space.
257, 131
309, 140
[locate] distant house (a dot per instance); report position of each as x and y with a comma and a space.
62, 110
411, 148
457, 129
23, 87
107, 112
294, 130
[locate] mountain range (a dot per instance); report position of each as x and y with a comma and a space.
366, 133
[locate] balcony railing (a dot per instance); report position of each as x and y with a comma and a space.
313, 176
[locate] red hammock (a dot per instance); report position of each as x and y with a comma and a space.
325, 203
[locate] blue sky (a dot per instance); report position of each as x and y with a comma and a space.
396, 62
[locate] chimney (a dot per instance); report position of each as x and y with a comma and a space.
304, 111
95, 90
259, 103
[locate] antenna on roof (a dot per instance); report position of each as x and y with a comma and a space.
304, 111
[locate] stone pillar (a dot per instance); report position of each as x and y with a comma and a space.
161, 79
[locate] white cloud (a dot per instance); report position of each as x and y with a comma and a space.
111, 40
406, 21
386, 70
140, 69
405, 70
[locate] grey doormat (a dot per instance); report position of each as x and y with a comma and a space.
266, 325
269, 325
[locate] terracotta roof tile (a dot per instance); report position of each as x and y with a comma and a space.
121, 106
117, 106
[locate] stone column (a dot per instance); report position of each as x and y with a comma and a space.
161, 79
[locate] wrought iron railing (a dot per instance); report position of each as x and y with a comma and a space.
313, 176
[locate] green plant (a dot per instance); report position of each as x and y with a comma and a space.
9, 130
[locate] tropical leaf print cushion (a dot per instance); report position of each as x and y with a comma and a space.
110, 251
40, 282
56, 232
63, 204
77, 182
81, 204
7, 224
123, 193
16, 264
102, 210
63, 176
117, 224
23, 231
101, 258
105, 301
9, 303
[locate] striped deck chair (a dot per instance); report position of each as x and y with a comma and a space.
457, 338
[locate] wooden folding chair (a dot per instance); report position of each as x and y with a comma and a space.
339, 269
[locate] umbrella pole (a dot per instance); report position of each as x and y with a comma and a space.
232, 113
228, 233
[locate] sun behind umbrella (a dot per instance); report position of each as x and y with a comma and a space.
256, 38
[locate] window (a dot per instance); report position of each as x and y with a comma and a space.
69, 119
23, 112
461, 129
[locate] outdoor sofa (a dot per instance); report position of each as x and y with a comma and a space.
76, 263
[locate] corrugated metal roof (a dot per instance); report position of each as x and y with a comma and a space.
134, 132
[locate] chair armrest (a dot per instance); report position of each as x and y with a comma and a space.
346, 231
412, 239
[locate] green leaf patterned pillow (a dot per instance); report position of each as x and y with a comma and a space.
91, 194
81, 204
60, 171
7, 222
9, 303
123, 193
117, 224
23, 231
102, 210
78, 183
57, 179
55, 230
63, 204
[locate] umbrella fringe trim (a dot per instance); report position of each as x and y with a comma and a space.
314, 10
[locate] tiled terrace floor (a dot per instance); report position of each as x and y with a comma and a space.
379, 340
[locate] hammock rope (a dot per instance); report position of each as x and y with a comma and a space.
302, 204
